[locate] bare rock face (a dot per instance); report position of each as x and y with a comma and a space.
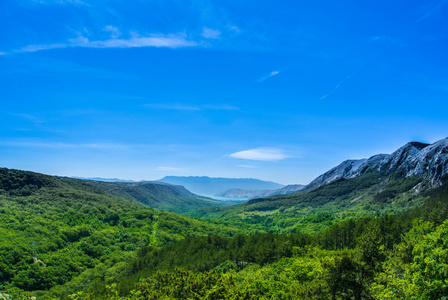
402, 157
429, 161
346, 169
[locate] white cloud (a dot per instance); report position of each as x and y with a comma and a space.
209, 33
177, 106
114, 31
153, 41
168, 41
61, 2
221, 107
34, 48
379, 38
234, 29
173, 106
272, 74
262, 154
246, 166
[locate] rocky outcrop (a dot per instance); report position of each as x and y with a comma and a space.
428, 161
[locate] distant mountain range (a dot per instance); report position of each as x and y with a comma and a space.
250, 194
159, 195
210, 187
104, 179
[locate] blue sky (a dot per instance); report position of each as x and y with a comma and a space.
275, 90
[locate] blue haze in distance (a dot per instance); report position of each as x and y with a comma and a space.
275, 90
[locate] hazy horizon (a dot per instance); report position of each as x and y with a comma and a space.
277, 91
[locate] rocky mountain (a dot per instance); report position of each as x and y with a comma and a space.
159, 195
427, 161
210, 186
250, 194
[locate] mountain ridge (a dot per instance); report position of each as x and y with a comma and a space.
414, 158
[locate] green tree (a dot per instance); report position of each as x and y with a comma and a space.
429, 270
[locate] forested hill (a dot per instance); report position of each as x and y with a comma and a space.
63, 234
158, 195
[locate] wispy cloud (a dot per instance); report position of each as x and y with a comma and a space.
178, 106
172, 106
272, 74
59, 2
30, 118
167, 41
380, 38
169, 169
233, 28
61, 145
220, 107
261, 154
337, 86
114, 31
210, 33
431, 11
246, 166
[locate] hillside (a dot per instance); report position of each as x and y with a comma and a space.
389, 257
63, 234
158, 195
209, 186
382, 184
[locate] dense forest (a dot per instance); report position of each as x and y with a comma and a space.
67, 239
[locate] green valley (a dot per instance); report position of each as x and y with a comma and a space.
369, 229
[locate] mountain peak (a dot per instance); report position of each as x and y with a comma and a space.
419, 145
429, 161
344, 170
